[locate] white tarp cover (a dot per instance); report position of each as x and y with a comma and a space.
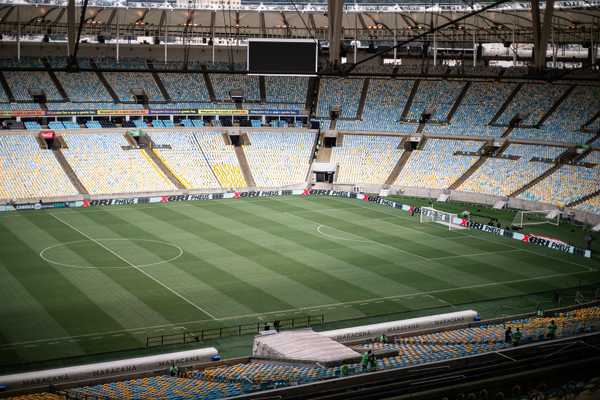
107, 369
402, 326
301, 345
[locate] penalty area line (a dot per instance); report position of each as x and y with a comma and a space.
173, 291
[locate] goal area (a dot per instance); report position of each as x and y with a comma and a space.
525, 218
430, 214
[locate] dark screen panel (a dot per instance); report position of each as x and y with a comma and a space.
282, 57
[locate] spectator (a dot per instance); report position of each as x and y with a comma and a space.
344, 370
552, 330
508, 335
516, 337
364, 361
372, 361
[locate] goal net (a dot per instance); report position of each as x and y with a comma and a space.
525, 218
429, 214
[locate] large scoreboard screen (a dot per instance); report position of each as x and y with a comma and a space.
282, 57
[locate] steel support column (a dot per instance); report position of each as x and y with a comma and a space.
541, 31
335, 12
71, 28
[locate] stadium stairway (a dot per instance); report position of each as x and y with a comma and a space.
508, 100
410, 99
399, 165
507, 131
159, 83
482, 159
593, 139
56, 81
564, 158
363, 98
591, 120
60, 157
458, 101
262, 86
164, 168
319, 138
584, 198
106, 85
209, 85
312, 93
4, 83
468, 173
556, 104
324, 154
241, 156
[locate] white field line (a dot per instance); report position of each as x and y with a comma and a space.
136, 267
442, 301
430, 293
476, 254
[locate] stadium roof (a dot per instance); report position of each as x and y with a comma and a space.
573, 20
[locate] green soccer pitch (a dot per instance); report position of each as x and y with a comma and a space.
86, 281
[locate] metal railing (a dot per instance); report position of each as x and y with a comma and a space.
234, 330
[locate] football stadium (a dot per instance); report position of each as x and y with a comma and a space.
284, 199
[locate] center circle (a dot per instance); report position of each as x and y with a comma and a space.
160, 247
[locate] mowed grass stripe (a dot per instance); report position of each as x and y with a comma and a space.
273, 258
10, 355
316, 211
97, 282
27, 317
141, 289
229, 272
305, 279
392, 227
366, 256
105, 287
408, 282
434, 230
452, 269
453, 276
308, 247
63, 300
164, 294
530, 263
392, 265
227, 293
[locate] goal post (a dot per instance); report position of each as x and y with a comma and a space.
539, 217
430, 214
